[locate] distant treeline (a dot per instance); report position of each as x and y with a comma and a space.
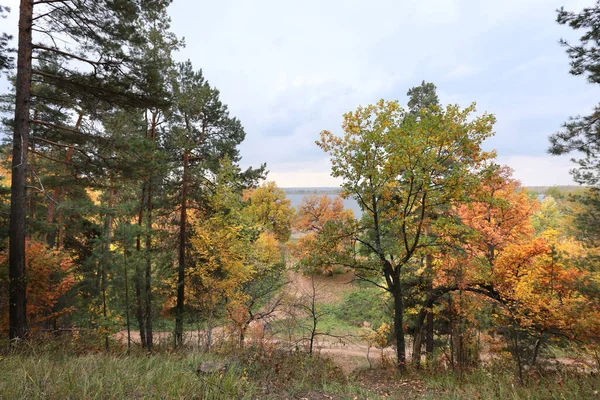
336, 190
313, 190
556, 191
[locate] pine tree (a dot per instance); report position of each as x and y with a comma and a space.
5, 58
202, 134
581, 133
94, 68
424, 97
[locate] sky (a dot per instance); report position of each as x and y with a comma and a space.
290, 69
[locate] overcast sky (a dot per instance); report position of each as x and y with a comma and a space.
290, 69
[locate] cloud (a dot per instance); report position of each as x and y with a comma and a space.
462, 71
289, 70
304, 174
540, 170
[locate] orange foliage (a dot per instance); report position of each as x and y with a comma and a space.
49, 276
535, 276
316, 211
322, 222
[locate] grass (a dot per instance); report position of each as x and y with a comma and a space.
98, 376
499, 382
254, 373
54, 371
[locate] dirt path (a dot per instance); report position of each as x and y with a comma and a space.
329, 289
348, 355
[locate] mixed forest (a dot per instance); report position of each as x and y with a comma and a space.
139, 259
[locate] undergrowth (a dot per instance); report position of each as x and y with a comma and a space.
33, 372
62, 369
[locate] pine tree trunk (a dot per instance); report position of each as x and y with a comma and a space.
139, 313
18, 199
105, 261
148, 288
125, 276
182, 244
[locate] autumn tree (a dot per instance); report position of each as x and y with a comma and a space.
235, 261
271, 210
219, 242
50, 276
424, 98
201, 135
400, 169
532, 279
323, 223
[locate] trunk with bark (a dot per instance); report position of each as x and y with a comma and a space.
148, 288
148, 280
104, 261
429, 333
417, 344
398, 326
139, 313
125, 276
182, 244
18, 199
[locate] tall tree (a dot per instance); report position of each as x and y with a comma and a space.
424, 97
18, 201
202, 134
581, 133
94, 66
156, 69
400, 170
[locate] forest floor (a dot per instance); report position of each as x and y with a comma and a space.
269, 367
63, 370
349, 351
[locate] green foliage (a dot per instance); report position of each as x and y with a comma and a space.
403, 169
6, 59
423, 96
549, 216
271, 210
365, 305
580, 133
585, 212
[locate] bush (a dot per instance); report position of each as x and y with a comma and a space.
368, 304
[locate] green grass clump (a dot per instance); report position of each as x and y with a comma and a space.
367, 304
252, 373
99, 376
499, 382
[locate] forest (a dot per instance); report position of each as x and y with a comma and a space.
139, 258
